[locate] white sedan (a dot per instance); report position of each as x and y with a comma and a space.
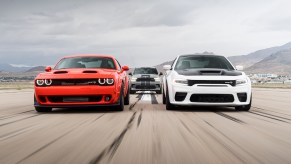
205, 80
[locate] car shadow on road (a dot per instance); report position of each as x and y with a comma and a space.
79, 110
204, 109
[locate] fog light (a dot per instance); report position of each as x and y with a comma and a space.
242, 97
107, 98
180, 96
42, 98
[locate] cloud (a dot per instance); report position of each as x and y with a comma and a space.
138, 33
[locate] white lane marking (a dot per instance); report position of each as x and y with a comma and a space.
146, 96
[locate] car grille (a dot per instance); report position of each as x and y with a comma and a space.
212, 98
145, 87
60, 99
145, 79
72, 82
193, 82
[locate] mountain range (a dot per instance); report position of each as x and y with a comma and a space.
4, 67
275, 60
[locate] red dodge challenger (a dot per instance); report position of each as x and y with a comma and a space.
82, 80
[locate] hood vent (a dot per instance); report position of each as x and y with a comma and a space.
89, 71
60, 72
210, 72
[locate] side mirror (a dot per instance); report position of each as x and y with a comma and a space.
125, 68
239, 67
161, 73
48, 69
167, 67
130, 74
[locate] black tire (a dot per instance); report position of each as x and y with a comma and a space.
159, 92
127, 98
164, 98
120, 107
244, 107
43, 109
169, 106
131, 91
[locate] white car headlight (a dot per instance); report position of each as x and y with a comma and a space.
157, 79
48, 82
181, 81
40, 82
110, 81
241, 81
133, 79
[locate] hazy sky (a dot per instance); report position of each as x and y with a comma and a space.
138, 32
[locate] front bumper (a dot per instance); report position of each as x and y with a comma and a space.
210, 90
145, 86
76, 96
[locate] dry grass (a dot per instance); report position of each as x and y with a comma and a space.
16, 85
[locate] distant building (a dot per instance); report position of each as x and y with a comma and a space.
265, 75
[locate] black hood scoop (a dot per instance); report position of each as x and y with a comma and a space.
208, 72
89, 71
60, 72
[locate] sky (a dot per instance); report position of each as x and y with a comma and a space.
138, 32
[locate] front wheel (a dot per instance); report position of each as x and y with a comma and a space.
244, 107
120, 107
131, 91
164, 98
43, 109
159, 92
169, 106
127, 97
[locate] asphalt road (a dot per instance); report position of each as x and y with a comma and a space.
146, 133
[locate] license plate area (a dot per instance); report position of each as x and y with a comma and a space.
75, 99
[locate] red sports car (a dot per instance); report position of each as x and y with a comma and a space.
82, 80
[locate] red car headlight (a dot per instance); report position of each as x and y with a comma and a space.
43, 82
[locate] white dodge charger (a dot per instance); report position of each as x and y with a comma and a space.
205, 80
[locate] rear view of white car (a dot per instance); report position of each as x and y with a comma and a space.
205, 80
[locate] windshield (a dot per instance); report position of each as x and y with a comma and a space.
86, 62
197, 62
145, 71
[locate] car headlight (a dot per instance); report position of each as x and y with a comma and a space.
133, 79
48, 82
241, 81
181, 81
109, 81
105, 82
43, 82
101, 81
40, 82
157, 79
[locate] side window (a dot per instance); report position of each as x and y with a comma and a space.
118, 65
